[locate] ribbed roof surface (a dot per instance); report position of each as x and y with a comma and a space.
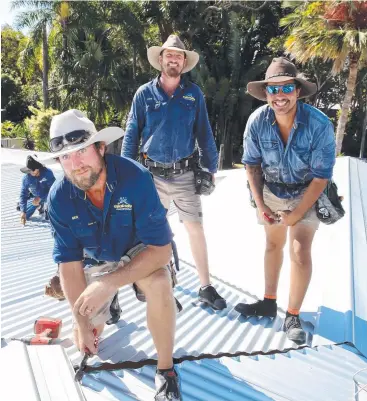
27, 265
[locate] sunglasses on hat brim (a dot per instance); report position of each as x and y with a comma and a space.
275, 89
71, 138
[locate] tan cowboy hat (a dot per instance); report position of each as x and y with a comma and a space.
74, 121
173, 43
280, 70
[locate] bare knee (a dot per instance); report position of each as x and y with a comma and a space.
301, 255
274, 246
158, 284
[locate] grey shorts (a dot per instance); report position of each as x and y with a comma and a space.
181, 189
94, 272
278, 204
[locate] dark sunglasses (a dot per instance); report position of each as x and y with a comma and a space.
275, 89
71, 138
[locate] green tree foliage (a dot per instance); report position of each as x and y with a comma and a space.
335, 31
39, 125
91, 55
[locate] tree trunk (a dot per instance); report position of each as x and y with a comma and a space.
343, 119
134, 62
65, 58
364, 133
45, 68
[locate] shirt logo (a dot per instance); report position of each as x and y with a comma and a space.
189, 97
123, 204
75, 217
43, 180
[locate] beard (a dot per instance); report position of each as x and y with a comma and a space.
172, 71
86, 181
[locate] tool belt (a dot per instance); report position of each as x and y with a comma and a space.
169, 170
289, 186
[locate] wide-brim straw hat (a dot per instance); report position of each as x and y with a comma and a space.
172, 43
280, 70
75, 120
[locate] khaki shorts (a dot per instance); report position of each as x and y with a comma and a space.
278, 204
95, 272
181, 190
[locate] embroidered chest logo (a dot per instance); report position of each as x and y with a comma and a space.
189, 97
123, 204
43, 180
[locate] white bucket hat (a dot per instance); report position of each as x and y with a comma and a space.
173, 43
75, 120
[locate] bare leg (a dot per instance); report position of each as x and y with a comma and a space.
301, 237
276, 236
161, 314
199, 249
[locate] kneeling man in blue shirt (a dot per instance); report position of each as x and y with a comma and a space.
289, 153
110, 230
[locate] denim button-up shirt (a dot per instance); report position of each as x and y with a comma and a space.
309, 152
38, 186
132, 213
169, 129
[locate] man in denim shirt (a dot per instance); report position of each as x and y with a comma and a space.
289, 153
167, 124
35, 187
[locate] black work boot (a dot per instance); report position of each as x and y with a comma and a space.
168, 386
293, 328
210, 296
266, 307
115, 310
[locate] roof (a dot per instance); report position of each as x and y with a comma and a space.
234, 259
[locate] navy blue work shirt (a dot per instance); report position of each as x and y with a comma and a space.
309, 152
168, 129
132, 214
38, 186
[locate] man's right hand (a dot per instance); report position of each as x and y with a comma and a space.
23, 218
84, 338
36, 201
267, 215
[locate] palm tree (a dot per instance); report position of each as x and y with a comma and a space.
334, 31
38, 16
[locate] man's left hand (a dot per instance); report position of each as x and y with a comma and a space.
289, 218
36, 201
94, 297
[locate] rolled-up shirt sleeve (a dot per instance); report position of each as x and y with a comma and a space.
251, 148
323, 152
151, 223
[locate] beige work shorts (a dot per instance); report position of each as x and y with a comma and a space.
181, 189
278, 204
95, 272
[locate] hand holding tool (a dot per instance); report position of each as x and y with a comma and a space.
80, 372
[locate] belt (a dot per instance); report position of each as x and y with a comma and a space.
179, 165
289, 186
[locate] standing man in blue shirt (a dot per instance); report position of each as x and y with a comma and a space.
36, 185
289, 153
107, 218
168, 127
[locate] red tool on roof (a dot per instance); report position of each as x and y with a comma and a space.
46, 330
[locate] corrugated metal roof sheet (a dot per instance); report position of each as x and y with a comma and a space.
27, 265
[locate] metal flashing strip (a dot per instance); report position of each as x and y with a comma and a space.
37, 372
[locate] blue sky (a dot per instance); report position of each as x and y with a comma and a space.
6, 16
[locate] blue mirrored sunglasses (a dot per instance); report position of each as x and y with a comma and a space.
275, 89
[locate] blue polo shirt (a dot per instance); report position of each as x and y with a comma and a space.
169, 129
38, 186
132, 214
309, 152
